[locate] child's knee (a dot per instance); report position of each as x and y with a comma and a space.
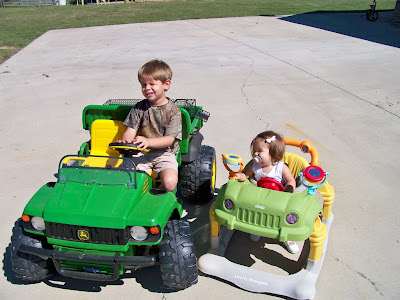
170, 183
169, 179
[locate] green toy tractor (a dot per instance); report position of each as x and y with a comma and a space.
102, 217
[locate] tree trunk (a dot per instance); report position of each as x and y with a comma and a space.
396, 17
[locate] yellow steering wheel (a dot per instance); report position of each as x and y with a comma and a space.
127, 149
235, 160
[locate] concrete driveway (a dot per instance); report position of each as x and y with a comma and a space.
332, 79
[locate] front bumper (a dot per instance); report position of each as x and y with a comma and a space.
116, 261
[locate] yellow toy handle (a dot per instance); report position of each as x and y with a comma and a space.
232, 159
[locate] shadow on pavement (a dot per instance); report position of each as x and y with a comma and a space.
198, 217
241, 248
149, 278
354, 24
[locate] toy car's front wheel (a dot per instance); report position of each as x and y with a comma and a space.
177, 257
27, 266
197, 178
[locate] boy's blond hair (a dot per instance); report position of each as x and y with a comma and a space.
276, 147
156, 69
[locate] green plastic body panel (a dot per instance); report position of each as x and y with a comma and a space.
92, 204
37, 204
263, 212
110, 112
97, 204
154, 210
104, 268
83, 247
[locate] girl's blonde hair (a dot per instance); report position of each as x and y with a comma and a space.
276, 147
156, 69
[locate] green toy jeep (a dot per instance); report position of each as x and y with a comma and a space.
268, 211
103, 217
264, 210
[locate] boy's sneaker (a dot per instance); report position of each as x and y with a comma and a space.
255, 238
291, 247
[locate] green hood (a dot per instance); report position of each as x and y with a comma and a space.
91, 204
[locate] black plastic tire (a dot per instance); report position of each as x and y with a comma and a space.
372, 15
177, 257
197, 178
27, 266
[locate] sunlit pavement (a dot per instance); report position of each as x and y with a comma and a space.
331, 79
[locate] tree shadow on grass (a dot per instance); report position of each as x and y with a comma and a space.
354, 24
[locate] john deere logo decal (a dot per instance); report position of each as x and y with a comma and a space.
83, 235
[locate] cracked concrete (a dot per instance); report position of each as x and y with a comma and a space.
374, 284
246, 98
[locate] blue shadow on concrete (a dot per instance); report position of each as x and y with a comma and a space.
353, 24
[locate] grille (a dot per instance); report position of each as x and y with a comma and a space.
258, 218
96, 235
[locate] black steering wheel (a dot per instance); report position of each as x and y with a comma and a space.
127, 150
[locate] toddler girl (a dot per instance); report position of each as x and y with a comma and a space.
267, 149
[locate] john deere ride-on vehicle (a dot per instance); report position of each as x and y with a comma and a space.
103, 217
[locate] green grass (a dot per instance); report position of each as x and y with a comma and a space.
19, 26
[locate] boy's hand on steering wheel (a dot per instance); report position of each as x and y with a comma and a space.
124, 141
141, 141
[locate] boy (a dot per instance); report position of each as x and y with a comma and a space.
155, 123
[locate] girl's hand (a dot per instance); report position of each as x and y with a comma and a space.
241, 177
290, 185
288, 188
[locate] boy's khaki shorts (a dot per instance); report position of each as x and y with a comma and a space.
155, 162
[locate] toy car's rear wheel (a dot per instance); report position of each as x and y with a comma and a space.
177, 257
197, 178
27, 266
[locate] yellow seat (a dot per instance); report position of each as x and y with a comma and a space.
295, 162
104, 132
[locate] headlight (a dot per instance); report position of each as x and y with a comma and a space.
38, 223
228, 204
291, 218
139, 233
